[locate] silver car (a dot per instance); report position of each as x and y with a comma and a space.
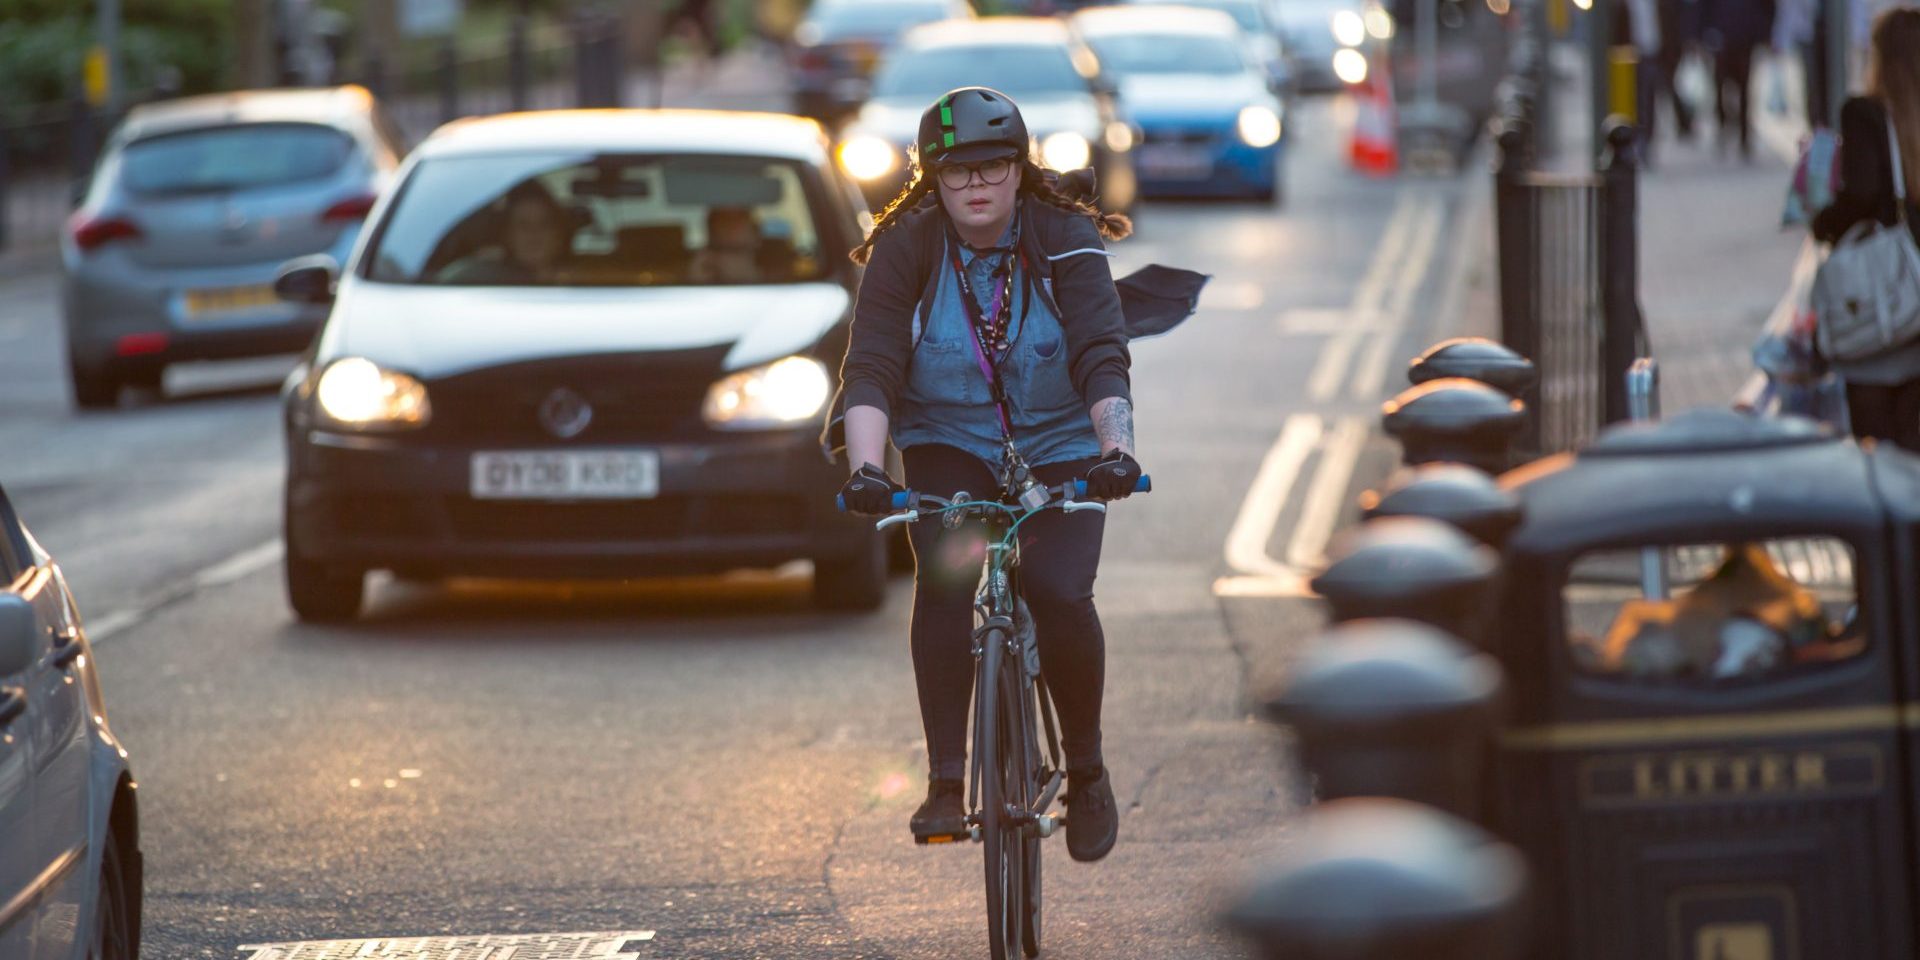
192, 209
70, 866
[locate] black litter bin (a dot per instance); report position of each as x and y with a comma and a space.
1458, 420
1394, 708
1715, 617
1476, 358
1384, 879
1451, 493
1411, 568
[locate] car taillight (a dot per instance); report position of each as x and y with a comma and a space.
811, 58
352, 208
91, 233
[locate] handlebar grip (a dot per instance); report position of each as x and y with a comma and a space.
1143, 485
900, 500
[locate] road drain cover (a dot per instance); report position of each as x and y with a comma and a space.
621, 945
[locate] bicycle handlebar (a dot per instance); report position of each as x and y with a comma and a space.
904, 498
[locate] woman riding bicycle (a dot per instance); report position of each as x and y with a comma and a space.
988, 337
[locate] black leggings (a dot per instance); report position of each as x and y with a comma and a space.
1059, 555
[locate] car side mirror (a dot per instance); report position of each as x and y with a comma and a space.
19, 635
308, 279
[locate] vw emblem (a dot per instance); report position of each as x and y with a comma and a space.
565, 413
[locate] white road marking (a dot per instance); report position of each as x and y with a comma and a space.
1320, 509
1330, 370
230, 570
1376, 318
1370, 377
1247, 543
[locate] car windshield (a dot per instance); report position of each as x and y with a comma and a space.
223, 159
1142, 53
876, 18
1017, 69
617, 220
1302, 14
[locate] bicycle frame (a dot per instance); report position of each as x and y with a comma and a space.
1001, 618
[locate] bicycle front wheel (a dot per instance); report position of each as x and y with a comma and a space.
999, 761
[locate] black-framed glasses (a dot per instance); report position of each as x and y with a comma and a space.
956, 176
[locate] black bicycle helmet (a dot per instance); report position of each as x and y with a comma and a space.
971, 124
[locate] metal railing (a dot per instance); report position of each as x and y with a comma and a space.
1568, 253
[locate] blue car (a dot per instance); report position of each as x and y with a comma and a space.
1209, 123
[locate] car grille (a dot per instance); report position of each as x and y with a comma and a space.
635, 396
666, 518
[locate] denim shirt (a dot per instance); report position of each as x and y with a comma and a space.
946, 398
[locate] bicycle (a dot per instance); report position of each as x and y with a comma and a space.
1011, 786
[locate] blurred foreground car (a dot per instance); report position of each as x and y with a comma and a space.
1066, 100
581, 344
1208, 123
70, 865
841, 41
191, 211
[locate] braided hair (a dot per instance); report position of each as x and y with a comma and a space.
1034, 180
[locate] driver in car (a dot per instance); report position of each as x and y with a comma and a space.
733, 248
534, 247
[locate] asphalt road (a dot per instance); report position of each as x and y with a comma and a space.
709, 760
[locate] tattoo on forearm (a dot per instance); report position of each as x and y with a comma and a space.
1115, 425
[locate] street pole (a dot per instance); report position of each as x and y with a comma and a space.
1837, 17
1600, 66
108, 29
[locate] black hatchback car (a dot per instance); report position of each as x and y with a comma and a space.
581, 344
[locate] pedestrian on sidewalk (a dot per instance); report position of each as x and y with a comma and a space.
1676, 39
1735, 28
1883, 391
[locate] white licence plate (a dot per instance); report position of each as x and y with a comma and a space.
219, 301
1175, 162
566, 475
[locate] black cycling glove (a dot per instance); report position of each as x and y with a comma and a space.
1113, 478
869, 491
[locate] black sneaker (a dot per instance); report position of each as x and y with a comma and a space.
942, 818
1093, 824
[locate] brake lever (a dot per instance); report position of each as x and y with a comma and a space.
897, 519
1075, 506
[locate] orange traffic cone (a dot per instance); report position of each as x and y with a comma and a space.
1375, 150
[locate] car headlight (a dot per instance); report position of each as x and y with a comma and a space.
778, 394
1349, 29
356, 392
868, 157
1379, 23
1350, 66
1119, 137
1259, 127
1065, 151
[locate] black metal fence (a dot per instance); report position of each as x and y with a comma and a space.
47, 152
1569, 281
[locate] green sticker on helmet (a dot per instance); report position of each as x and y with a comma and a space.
946, 115
949, 139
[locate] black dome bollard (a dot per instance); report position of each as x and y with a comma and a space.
1410, 568
1451, 493
1476, 358
1381, 879
1394, 708
1454, 419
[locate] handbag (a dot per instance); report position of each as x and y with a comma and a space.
1866, 295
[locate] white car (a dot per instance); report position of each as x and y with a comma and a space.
70, 867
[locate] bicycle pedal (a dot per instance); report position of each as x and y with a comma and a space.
939, 838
